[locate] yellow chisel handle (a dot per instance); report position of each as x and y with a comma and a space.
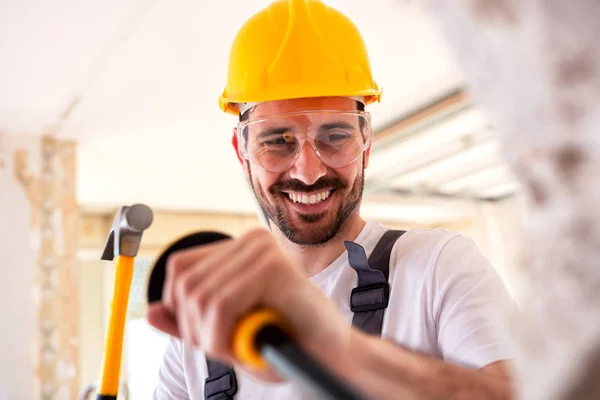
263, 338
244, 341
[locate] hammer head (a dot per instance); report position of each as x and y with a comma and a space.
126, 231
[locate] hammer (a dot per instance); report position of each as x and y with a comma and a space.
123, 243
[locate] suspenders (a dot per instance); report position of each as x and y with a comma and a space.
370, 298
367, 301
221, 383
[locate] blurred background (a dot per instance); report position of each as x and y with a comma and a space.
110, 103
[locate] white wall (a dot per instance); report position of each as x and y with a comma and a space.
500, 229
93, 305
17, 266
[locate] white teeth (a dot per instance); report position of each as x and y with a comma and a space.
309, 199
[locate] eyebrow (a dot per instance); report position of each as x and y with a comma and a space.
336, 125
322, 128
273, 131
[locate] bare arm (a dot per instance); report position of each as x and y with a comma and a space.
383, 370
469, 308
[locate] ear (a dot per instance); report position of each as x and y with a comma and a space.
236, 146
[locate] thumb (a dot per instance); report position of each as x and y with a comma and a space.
161, 318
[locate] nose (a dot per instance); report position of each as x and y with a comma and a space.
308, 167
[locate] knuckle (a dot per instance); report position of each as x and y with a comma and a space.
267, 245
173, 265
211, 345
268, 260
183, 286
216, 312
258, 240
222, 305
199, 300
259, 234
191, 304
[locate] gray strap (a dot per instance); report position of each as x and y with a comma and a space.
380, 257
370, 298
221, 383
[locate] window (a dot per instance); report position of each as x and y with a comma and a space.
144, 346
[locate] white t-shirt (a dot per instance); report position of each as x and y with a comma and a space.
446, 300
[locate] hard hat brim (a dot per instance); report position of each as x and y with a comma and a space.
230, 105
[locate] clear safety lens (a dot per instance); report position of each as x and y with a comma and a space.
274, 143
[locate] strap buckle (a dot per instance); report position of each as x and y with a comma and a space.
221, 387
370, 297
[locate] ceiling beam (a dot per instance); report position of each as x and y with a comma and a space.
446, 197
449, 101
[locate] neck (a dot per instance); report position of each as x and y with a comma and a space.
315, 259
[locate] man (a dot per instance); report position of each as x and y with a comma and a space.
299, 78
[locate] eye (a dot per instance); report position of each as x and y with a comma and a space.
333, 137
275, 141
285, 139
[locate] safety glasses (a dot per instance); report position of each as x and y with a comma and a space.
273, 144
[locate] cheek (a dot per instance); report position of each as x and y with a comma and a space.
349, 174
263, 179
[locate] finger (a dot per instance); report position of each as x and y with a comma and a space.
191, 254
231, 299
188, 292
176, 265
197, 287
161, 318
181, 261
185, 308
185, 301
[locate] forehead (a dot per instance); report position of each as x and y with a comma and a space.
266, 109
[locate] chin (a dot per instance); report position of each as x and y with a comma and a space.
310, 233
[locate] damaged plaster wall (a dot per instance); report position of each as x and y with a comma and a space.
534, 67
39, 289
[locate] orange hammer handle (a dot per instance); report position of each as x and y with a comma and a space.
113, 342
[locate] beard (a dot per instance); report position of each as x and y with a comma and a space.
310, 233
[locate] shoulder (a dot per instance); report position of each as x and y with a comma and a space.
423, 246
439, 254
430, 237
415, 239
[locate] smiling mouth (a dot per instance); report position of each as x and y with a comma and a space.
309, 198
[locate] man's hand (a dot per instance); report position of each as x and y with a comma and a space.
209, 288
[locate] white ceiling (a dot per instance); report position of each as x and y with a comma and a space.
451, 154
136, 84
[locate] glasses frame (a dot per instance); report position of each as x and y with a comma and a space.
244, 124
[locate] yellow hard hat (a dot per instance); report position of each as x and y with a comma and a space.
294, 49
